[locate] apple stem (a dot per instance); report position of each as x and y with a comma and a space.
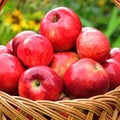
37, 83
55, 18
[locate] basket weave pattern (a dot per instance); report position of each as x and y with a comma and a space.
100, 107
117, 3
106, 107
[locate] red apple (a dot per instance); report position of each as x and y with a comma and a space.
112, 66
61, 26
4, 49
63, 96
35, 50
86, 78
11, 69
9, 46
19, 37
92, 43
87, 28
115, 53
41, 82
62, 60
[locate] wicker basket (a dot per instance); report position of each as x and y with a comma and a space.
100, 107
2, 3
117, 3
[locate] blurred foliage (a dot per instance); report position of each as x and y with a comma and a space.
19, 15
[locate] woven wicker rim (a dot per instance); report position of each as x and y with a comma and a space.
77, 109
117, 3
106, 107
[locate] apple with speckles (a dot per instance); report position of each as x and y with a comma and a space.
86, 78
62, 60
92, 43
40, 83
35, 50
112, 66
11, 69
20, 37
61, 26
4, 49
115, 53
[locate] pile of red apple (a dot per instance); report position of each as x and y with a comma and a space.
63, 57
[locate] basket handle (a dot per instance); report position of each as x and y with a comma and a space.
117, 3
2, 3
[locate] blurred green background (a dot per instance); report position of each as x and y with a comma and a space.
19, 15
